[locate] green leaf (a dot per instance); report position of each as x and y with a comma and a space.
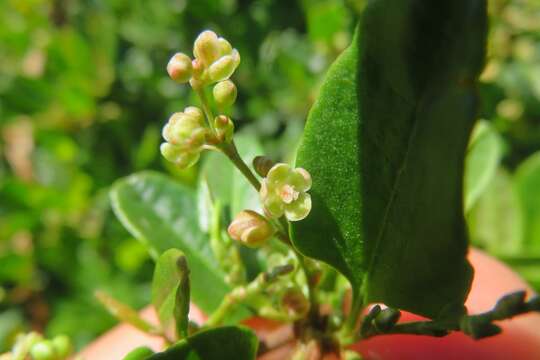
228, 342
496, 220
163, 214
170, 290
527, 180
385, 144
483, 157
140, 353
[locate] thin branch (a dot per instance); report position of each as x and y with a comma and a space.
476, 326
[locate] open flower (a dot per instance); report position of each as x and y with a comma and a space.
215, 57
283, 191
185, 135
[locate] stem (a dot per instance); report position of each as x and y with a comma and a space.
476, 326
352, 319
307, 273
232, 153
206, 108
242, 293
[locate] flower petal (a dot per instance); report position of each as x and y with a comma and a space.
278, 174
301, 180
298, 209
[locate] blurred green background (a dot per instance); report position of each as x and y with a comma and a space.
84, 94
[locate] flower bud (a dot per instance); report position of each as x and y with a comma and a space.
43, 350
250, 228
62, 346
225, 93
180, 68
185, 129
224, 128
294, 303
262, 164
196, 113
224, 67
179, 156
215, 60
207, 48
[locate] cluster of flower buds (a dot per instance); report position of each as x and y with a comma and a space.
215, 61
186, 133
35, 346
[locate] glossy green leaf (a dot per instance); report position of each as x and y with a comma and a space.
385, 144
496, 221
528, 187
163, 214
228, 342
140, 353
170, 290
483, 157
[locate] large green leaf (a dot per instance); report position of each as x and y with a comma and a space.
163, 214
385, 144
228, 342
483, 157
528, 187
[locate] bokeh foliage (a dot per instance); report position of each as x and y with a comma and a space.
84, 92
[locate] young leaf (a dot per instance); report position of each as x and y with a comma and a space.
483, 157
163, 214
228, 342
385, 144
170, 290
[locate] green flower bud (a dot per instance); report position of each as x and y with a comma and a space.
216, 60
250, 228
62, 346
225, 93
175, 154
180, 68
283, 192
186, 129
207, 48
43, 350
224, 128
224, 67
